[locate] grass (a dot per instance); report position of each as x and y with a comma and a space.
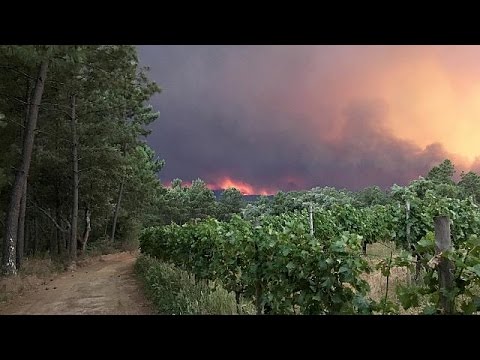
105, 246
176, 292
398, 276
35, 271
42, 266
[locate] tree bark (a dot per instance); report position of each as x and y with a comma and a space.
23, 203
73, 235
21, 228
28, 237
53, 243
83, 242
119, 200
106, 228
11, 223
117, 209
35, 235
59, 237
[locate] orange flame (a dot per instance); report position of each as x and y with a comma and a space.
226, 182
245, 188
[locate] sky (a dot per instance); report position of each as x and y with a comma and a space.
270, 118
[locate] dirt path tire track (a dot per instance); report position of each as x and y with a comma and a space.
106, 287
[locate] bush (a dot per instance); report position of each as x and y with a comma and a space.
174, 291
127, 231
102, 246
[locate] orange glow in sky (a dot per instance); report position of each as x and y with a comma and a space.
438, 107
431, 93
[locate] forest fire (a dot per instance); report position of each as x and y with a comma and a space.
227, 182
243, 187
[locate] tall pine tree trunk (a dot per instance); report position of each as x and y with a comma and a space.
28, 236
53, 244
119, 200
117, 209
88, 228
11, 223
73, 235
23, 203
35, 234
21, 228
106, 228
59, 236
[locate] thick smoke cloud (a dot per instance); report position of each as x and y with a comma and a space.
283, 117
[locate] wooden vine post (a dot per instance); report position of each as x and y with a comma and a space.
443, 243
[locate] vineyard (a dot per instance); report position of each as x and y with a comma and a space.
274, 260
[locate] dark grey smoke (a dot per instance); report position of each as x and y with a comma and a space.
235, 111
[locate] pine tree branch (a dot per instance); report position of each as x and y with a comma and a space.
17, 71
14, 98
14, 122
51, 218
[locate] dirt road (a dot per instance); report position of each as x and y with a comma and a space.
106, 287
